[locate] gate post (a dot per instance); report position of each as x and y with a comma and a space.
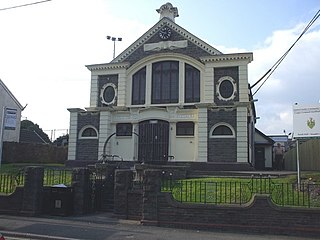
123, 181
32, 191
81, 184
151, 188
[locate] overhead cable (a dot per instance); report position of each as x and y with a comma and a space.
24, 5
277, 63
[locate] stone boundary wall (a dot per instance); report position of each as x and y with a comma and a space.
258, 216
35, 199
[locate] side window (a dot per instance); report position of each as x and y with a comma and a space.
192, 84
185, 129
124, 129
222, 130
139, 87
165, 82
88, 132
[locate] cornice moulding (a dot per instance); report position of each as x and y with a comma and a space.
107, 66
228, 57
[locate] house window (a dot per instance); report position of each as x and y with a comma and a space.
124, 129
185, 129
222, 130
165, 82
192, 84
88, 132
139, 87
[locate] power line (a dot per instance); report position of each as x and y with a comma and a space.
274, 67
24, 5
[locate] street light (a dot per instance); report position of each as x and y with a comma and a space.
114, 39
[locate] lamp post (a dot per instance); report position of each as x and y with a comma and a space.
114, 39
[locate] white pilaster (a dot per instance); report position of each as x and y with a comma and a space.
73, 135
242, 135
104, 131
203, 135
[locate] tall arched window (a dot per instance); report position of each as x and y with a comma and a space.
165, 82
139, 87
192, 84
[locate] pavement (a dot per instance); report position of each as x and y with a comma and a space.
102, 226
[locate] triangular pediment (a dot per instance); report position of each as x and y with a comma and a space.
180, 41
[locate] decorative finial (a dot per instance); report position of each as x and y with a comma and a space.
168, 11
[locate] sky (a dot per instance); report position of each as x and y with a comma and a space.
44, 49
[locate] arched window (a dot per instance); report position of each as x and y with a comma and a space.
222, 130
165, 82
192, 84
139, 87
88, 132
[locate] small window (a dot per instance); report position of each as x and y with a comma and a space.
88, 132
185, 129
124, 129
222, 131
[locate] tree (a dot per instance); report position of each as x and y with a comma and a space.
29, 125
62, 140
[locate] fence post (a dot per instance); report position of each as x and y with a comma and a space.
151, 188
81, 184
32, 191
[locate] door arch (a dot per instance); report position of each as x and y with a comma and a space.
153, 141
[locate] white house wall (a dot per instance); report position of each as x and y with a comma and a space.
9, 101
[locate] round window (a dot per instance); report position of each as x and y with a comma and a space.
108, 94
226, 89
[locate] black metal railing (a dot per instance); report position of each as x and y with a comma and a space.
241, 191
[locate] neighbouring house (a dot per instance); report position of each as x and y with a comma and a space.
10, 114
263, 151
169, 97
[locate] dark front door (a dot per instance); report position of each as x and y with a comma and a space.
259, 158
153, 141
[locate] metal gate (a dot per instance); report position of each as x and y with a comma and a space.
102, 180
153, 141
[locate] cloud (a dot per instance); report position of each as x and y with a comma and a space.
295, 80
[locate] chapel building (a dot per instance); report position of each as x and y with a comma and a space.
169, 97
